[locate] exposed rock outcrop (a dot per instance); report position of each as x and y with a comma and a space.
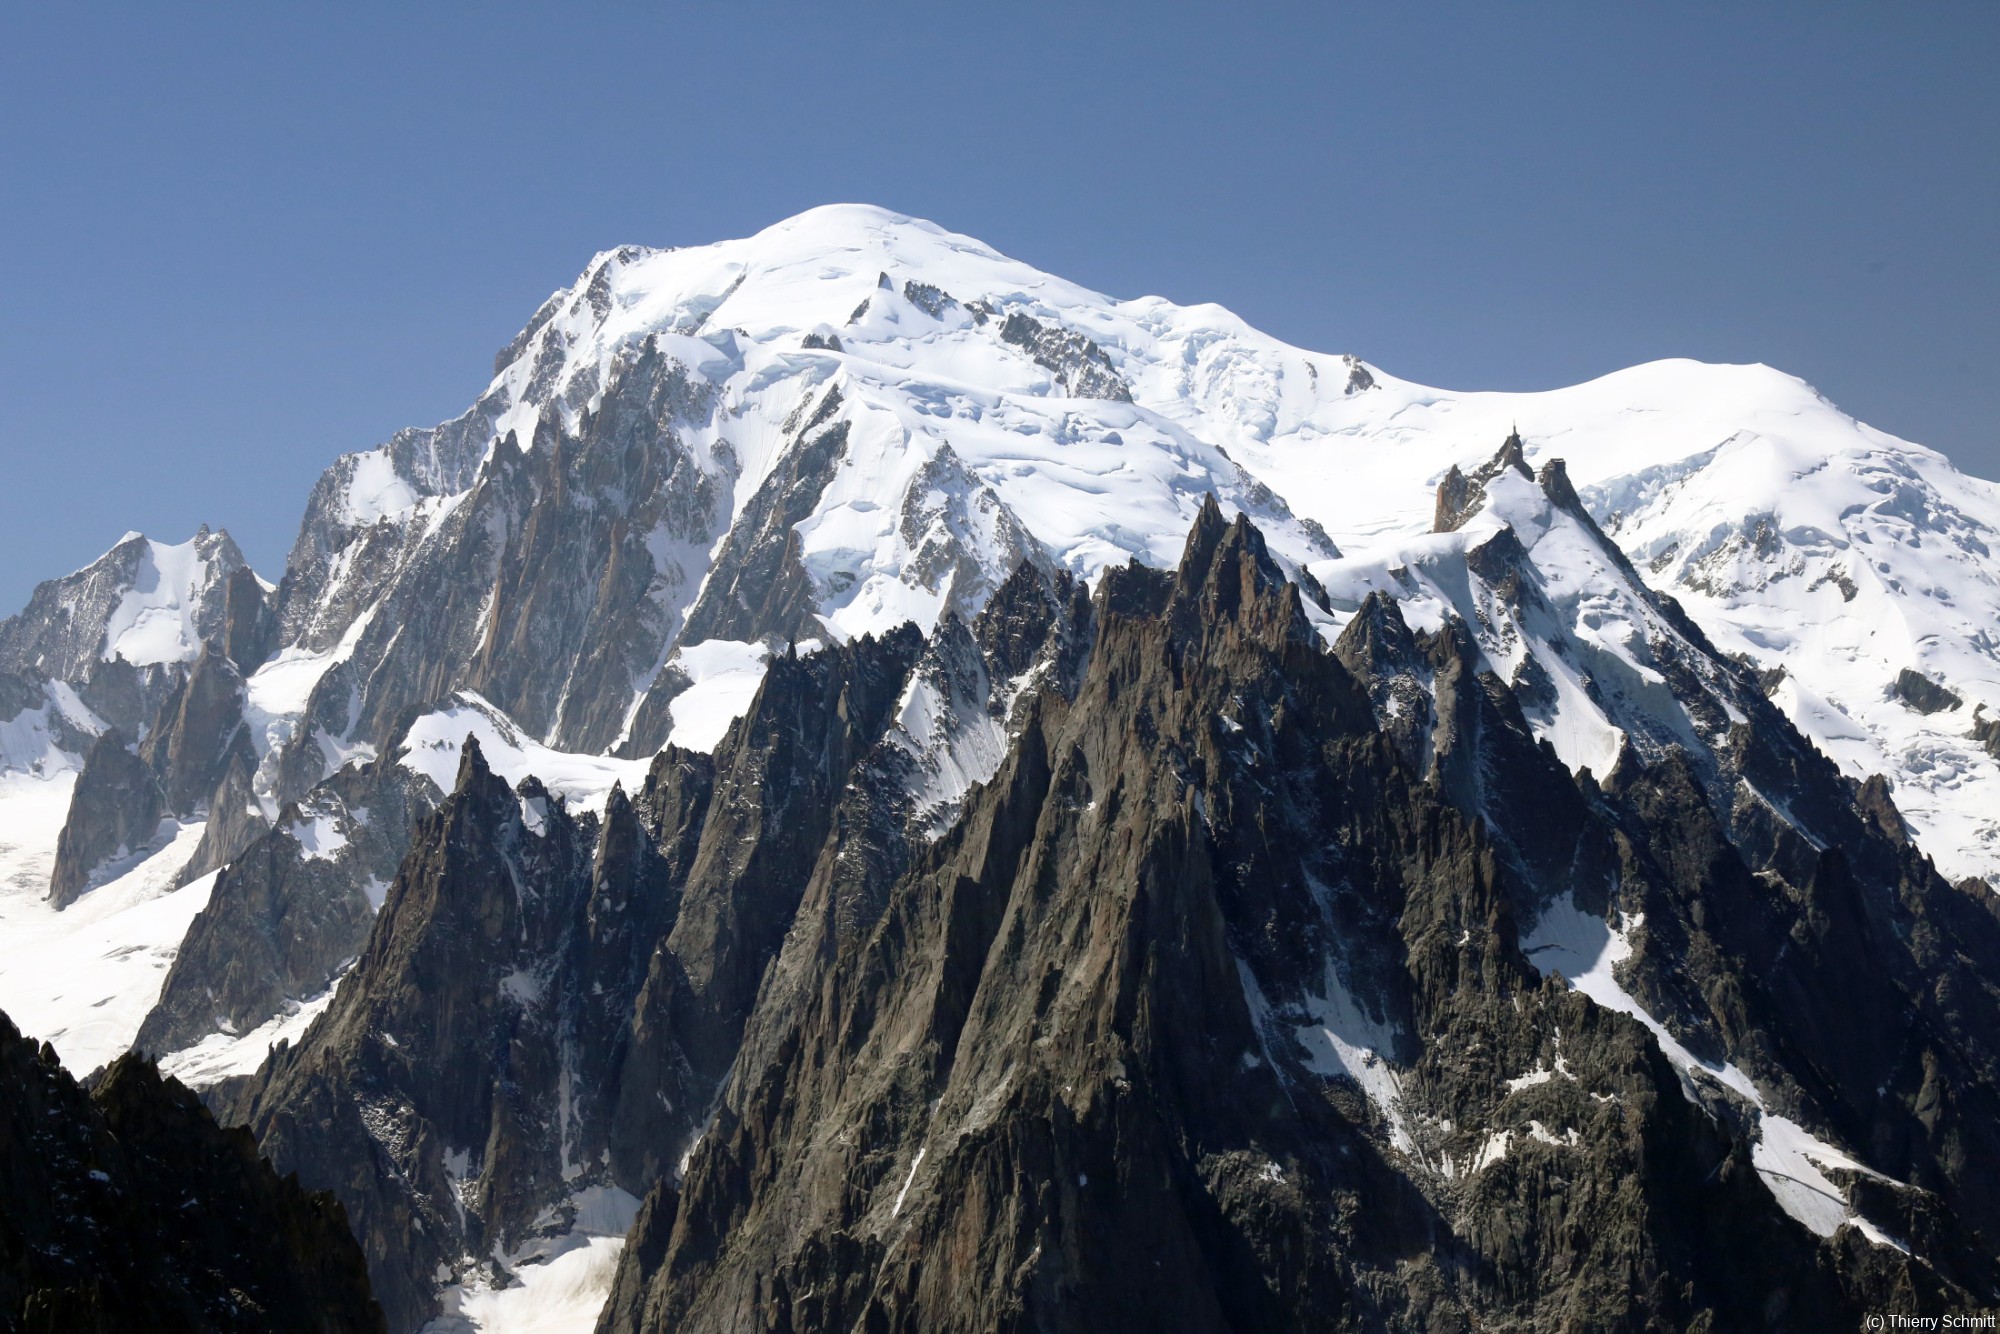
114, 814
1461, 495
1079, 365
1923, 694
291, 910
1211, 1011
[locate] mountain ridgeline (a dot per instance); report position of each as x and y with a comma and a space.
1093, 1056
863, 786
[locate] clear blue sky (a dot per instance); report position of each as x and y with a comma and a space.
235, 243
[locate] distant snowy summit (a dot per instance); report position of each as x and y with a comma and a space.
970, 411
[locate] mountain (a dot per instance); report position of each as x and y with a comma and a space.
849, 734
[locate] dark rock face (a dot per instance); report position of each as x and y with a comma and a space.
123, 695
426, 1095
235, 818
284, 919
199, 733
780, 787
1923, 694
1986, 731
626, 956
1358, 377
114, 814
1210, 1009
249, 632
1074, 1067
550, 586
127, 1208
19, 692
932, 301
338, 563
198, 759
1080, 366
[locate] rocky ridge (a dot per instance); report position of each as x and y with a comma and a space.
128, 1208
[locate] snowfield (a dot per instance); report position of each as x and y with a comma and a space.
1794, 535
84, 978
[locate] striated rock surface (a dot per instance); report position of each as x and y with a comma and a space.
114, 815
289, 913
1216, 1010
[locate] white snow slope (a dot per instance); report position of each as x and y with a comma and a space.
84, 978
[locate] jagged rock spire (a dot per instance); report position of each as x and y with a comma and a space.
1460, 496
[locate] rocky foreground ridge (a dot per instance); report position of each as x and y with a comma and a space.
128, 1208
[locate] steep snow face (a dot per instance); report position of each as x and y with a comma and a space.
150, 603
1838, 561
156, 620
725, 675
436, 740
84, 978
940, 344
223, 1055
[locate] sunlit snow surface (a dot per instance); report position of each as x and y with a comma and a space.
726, 675
223, 1055
154, 621
84, 978
1736, 488
1792, 533
556, 1285
435, 741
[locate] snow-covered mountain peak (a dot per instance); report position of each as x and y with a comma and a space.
885, 417
151, 603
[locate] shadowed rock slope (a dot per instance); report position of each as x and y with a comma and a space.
127, 1208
